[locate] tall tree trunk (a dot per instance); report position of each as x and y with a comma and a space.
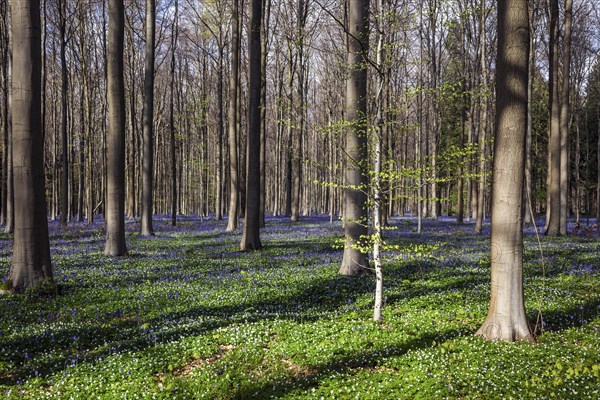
263, 110
115, 140
355, 260
598, 166
233, 211
148, 122
251, 235
64, 194
506, 319
377, 155
564, 118
299, 132
81, 155
220, 130
132, 145
10, 194
528, 218
5, 88
484, 126
290, 136
172, 146
31, 264
554, 141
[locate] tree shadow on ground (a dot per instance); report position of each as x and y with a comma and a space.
573, 317
124, 331
310, 376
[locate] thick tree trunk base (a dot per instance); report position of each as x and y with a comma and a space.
507, 331
354, 262
250, 244
115, 248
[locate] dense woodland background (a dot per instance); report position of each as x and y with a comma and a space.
437, 71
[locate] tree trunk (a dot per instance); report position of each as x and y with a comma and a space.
251, 235
232, 213
377, 155
4, 105
31, 265
115, 140
527, 201
220, 130
564, 119
483, 129
10, 195
172, 120
81, 155
263, 110
506, 319
148, 122
355, 258
64, 195
554, 141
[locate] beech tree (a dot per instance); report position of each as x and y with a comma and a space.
355, 260
8, 136
31, 265
232, 217
115, 140
148, 121
251, 235
506, 319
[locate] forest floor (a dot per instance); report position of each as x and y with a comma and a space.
187, 316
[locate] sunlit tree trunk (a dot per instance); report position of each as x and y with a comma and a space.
484, 125
506, 319
527, 200
263, 110
31, 264
232, 217
115, 139
148, 123
564, 118
554, 142
4, 32
377, 155
355, 258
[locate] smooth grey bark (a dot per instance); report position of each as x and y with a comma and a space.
4, 32
356, 261
553, 223
64, 137
232, 212
506, 319
220, 131
146, 227
484, 125
10, 195
172, 144
263, 109
31, 264
251, 235
564, 118
528, 218
299, 131
115, 138
81, 155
